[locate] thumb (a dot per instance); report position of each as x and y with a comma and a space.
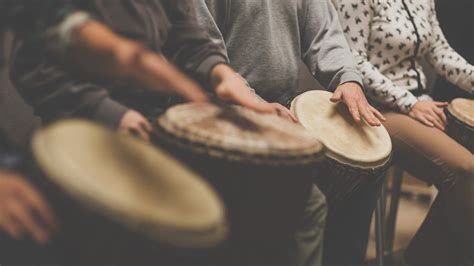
222, 92
336, 97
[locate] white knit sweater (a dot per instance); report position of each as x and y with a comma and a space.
389, 38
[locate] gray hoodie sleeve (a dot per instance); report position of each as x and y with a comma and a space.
211, 16
324, 48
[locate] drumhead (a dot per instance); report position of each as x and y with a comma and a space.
356, 145
130, 182
463, 110
237, 133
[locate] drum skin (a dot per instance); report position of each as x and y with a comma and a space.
260, 164
460, 126
120, 209
356, 154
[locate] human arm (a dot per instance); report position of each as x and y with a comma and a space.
328, 57
357, 26
213, 69
96, 49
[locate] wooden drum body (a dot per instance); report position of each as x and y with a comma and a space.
356, 154
120, 200
260, 165
460, 113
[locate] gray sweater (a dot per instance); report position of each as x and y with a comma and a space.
265, 40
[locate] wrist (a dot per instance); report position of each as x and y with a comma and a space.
352, 84
220, 72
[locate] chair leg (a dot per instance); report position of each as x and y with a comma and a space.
393, 211
379, 227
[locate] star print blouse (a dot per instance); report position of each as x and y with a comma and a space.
389, 38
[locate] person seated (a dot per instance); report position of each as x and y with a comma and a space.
166, 27
95, 98
265, 41
389, 39
28, 225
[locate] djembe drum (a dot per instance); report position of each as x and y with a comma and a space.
460, 113
356, 154
259, 163
122, 201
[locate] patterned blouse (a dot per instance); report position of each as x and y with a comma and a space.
389, 38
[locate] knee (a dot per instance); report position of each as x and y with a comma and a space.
465, 169
463, 173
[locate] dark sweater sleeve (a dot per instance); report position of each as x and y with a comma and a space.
42, 80
325, 49
34, 16
188, 45
56, 93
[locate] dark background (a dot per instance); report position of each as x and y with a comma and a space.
456, 19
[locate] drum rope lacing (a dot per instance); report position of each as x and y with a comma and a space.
235, 155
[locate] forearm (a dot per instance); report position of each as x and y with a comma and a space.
98, 50
449, 64
378, 87
383, 90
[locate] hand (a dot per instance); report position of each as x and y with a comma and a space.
230, 86
135, 124
23, 211
430, 113
353, 96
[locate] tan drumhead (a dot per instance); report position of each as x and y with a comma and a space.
463, 109
347, 142
240, 132
131, 182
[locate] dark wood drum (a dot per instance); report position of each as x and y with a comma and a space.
460, 113
356, 154
260, 164
121, 201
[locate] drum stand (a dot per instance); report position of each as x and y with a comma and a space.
393, 211
385, 228
379, 226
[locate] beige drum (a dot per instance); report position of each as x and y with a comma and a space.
118, 197
460, 113
261, 165
356, 154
